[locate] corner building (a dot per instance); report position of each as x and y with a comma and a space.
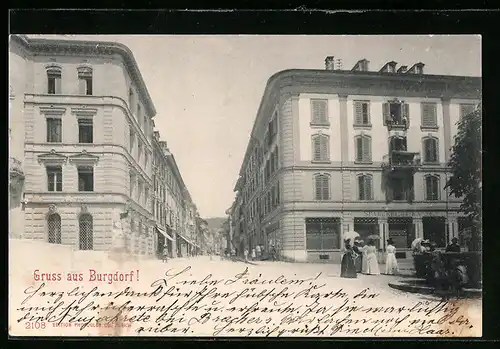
333, 151
87, 143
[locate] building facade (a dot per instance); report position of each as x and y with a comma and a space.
81, 124
333, 151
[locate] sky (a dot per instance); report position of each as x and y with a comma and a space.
207, 88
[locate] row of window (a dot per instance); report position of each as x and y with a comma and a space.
271, 199
395, 111
55, 178
140, 149
321, 148
322, 184
85, 130
139, 190
272, 164
54, 80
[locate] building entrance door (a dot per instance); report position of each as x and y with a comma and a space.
401, 231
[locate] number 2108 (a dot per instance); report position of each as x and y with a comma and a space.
35, 325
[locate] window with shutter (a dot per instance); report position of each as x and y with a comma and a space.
432, 187
430, 150
322, 187
466, 109
325, 188
54, 80
361, 113
319, 112
361, 187
429, 117
320, 145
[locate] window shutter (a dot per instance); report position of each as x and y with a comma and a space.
359, 149
58, 85
361, 187
368, 188
324, 148
435, 187
82, 86
326, 188
318, 187
428, 187
317, 148
429, 115
366, 145
386, 113
319, 111
406, 112
358, 113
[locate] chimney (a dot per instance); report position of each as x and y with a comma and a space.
330, 63
402, 69
156, 135
338, 64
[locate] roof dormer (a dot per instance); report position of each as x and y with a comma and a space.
361, 65
389, 67
417, 68
402, 69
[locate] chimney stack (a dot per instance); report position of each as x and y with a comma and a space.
417, 68
156, 135
330, 63
338, 64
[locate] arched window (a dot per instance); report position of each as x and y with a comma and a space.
322, 186
363, 148
432, 187
430, 145
54, 80
321, 147
86, 232
85, 81
54, 228
365, 187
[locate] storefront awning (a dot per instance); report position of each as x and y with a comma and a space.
164, 233
188, 241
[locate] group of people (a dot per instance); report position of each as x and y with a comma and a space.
360, 258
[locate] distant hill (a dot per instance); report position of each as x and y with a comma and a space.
215, 222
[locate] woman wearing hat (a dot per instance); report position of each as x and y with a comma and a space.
347, 268
391, 263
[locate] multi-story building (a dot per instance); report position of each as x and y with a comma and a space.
81, 133
357, 150
169, 203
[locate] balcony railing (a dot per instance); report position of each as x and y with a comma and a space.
397, 124
401, 159
16, 168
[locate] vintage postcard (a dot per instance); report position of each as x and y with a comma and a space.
250, 186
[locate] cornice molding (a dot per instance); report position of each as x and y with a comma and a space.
52, 110
52, 158
48, 47
83, 111
84, 158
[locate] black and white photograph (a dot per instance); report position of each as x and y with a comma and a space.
245, 185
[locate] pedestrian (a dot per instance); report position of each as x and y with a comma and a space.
391, 263
253, 254
257, 251
364, 258
246, 254
358, 262
347, 268
273, 253
371, 259
165, 254
454, 246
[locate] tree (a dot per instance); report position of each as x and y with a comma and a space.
465, 180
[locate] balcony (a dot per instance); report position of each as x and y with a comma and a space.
401, 160
397, 124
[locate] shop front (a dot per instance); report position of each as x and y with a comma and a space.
164, 239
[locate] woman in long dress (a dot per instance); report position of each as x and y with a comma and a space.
358, 262
364, 259
371, 259
391, 264
347, 268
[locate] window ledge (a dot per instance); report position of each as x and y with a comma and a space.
429, 128
357, 162
429, 163
321, 161
362, 126
319, 124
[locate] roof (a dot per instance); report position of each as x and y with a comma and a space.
61, 46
